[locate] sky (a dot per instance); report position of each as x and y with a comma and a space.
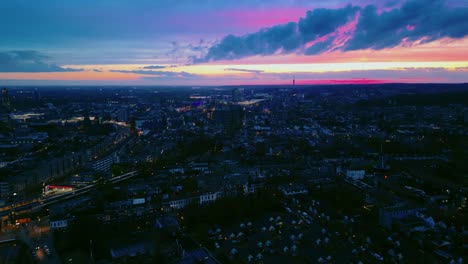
232, 42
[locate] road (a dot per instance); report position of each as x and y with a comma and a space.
36, 205
37, 236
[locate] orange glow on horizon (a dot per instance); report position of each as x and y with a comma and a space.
445, 54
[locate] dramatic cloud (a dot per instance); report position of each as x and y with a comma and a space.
425, 20
265, 42
187, 53
321, 22
283, 38
319, 47
28, 61
415, 21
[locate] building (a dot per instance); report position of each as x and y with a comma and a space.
105, 163
61, 166
253, 187
180, 203
200, 167
294, 190
4, 190
5, 99
59, 224
209, 197
389, 214
231, 117
201, 199
167, 222
122, 115
177, 170
32, 138
355, 174
238, 94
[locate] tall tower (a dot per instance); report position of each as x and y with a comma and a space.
294, 81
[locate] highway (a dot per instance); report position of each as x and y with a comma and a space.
37, 204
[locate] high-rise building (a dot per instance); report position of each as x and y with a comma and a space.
6, 99
105, 164
230, 116
238, 94
4, 190
37, 94
122, 115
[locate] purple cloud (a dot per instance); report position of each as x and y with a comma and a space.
28, 61
425, 20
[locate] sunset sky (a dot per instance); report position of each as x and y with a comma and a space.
232, 42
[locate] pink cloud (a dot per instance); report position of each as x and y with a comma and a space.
317, 40
410, 27
441, 50
339, 37
257, 19
345, 32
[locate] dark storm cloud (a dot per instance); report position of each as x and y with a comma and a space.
320, 22
425, 20
28, 61
284, 38
418, 19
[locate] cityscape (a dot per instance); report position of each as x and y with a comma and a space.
235, 174
234, 132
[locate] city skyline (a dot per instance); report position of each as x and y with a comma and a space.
233, 42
